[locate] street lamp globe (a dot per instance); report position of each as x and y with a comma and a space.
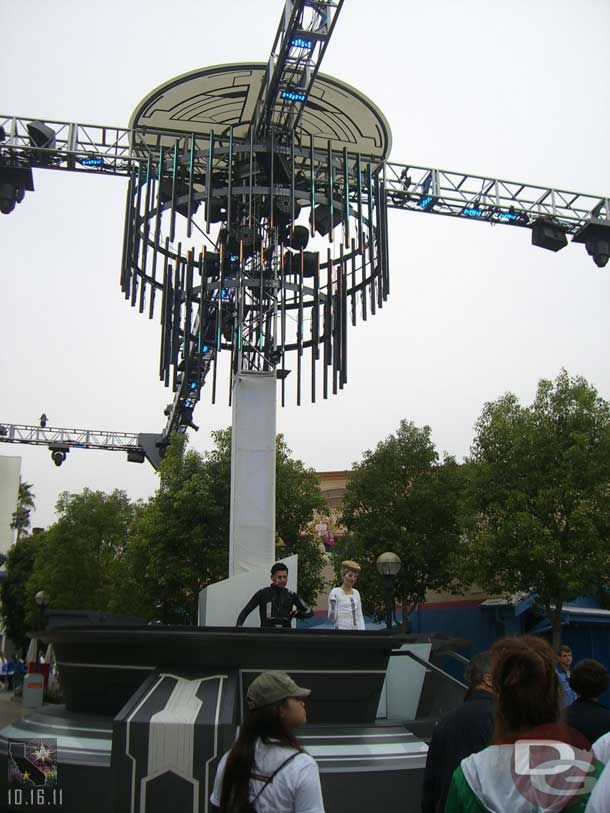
42, 598
388, 564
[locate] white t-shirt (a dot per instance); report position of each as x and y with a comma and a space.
295, 789
601, 748
345, 609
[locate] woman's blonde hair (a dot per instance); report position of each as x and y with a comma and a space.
349, 565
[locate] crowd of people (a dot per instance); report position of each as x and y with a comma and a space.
514, 746
531, 736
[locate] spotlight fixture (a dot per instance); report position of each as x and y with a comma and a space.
13, 183
322, 218
297, 237
275, 357
43, 137
596, 236
59, 454
548, 234
292, 263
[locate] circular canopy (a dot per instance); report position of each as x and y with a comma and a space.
224, 96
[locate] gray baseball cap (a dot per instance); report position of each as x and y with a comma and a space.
272, 687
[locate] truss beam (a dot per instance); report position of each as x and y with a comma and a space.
298, 49
478, 197
73, 438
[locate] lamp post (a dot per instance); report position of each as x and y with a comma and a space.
42, 599
388, 565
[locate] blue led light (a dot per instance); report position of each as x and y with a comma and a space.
234, 258
205, 349
299, 42
91, 162
224, 293
193, 386
471, 211
510, 216
293, 96
425, 202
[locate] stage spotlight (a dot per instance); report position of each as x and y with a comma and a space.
43, 137
292, 263
59, 454
8, 198
282, 209
216, 212
297, 237
322, 218
13, 183
549, 235
182, 205
275, 357
596, 236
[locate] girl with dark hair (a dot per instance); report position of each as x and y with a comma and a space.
267, 768
535, 763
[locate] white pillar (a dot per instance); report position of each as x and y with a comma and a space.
252, 531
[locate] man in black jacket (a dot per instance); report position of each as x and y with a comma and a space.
464, 731
277, 605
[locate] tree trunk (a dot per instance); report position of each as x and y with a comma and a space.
555, 619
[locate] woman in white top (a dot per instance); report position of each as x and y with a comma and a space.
344, 605
267, 770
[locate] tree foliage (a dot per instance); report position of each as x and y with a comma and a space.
538, 508
401, 498
14, 598
25, 503
181, 540
78, 558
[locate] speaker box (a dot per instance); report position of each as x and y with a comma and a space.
546, 234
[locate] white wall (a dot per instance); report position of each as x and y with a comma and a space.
10, 469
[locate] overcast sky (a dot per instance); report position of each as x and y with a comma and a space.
514, 90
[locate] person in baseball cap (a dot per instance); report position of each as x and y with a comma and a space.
267, 769
273, 687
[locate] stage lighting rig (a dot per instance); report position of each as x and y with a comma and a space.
59, 454
596, 237
14, 181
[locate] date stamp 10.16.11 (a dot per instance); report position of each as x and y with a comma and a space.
32, 774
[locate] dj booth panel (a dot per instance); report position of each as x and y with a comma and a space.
101, 667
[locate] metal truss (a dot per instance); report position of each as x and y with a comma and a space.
78, 147
139, 447
72, 438
298, 49
478, 197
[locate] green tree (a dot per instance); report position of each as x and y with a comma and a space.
538, 509
79, 557
14, 598
401, 498
25, 503
182, 539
